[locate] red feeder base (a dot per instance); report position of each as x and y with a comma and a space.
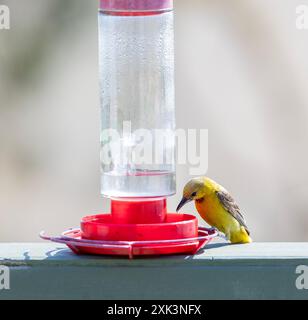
136, 228
72, 238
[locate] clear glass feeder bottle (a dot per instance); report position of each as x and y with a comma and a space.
136, 53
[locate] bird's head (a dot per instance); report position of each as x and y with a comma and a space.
195, 189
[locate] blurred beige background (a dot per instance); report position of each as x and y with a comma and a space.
242, 73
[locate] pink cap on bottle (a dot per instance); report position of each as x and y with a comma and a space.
136, 5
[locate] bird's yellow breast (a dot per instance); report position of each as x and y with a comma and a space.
215, 215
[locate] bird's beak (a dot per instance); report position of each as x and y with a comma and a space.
182, 203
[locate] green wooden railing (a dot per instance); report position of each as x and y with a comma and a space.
255, 271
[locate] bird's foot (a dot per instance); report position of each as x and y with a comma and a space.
212, 230
219, 233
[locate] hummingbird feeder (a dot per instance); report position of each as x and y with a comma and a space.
136, 54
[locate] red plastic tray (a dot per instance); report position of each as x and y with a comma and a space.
72, 238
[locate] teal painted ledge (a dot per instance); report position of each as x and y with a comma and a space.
254, 271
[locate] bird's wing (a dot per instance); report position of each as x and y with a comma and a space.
231, 206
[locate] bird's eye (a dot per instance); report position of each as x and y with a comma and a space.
194, 194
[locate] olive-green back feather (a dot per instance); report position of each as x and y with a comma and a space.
231, 206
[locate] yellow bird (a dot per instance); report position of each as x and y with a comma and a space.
217, 208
